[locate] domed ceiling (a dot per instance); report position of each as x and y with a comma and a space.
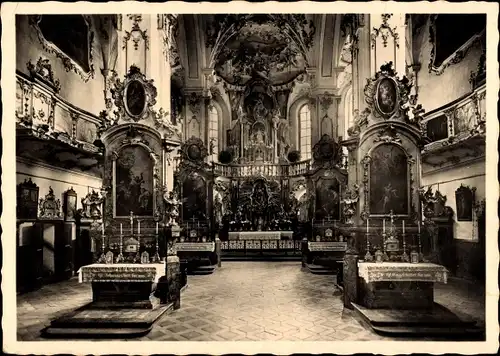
271, 47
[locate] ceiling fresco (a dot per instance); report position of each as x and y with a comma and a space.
270, 47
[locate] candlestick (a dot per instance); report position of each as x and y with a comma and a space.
368, 256
131, 223
102, 258
405, 255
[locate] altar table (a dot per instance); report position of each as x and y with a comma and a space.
399, 285
122, 285
401, 271
259, 235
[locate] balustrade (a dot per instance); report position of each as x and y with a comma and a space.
39, 107
459, 121
269, 170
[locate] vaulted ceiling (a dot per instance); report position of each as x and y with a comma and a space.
273, 47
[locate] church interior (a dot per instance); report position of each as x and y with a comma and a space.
223, 177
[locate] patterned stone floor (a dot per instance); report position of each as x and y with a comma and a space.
244, 301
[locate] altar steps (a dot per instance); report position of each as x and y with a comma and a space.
437, 322
202, 270
318, 269
91, 322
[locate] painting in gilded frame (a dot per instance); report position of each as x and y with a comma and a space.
389, 183
134, 182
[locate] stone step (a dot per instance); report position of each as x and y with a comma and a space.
92, 322
98, 333
317, 269
434, 322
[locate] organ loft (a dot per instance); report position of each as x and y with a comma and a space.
346, 149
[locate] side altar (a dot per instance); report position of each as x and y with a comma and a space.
389, 269
133, 264
135, 267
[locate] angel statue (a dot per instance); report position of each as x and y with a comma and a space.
171, 207
349, 203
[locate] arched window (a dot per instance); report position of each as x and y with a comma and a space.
305, 132
213, 131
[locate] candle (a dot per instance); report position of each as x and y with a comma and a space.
138, 227
121, 229
403, 226
156, 228
418, 227
367, 225
383, 225
102, 225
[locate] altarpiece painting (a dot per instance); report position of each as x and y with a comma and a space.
134, 182
389, 181
327, 199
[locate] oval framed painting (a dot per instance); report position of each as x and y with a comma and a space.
194, 152
386, 96
135, 98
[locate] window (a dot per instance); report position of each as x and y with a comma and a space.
305, 132
213, 131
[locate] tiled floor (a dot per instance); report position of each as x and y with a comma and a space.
244, 301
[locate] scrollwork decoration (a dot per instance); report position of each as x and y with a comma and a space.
145, 90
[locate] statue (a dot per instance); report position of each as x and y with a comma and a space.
171, 207
349, 203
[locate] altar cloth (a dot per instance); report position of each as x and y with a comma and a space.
402, 271
126, 272
327, 246
195, 246
259, 235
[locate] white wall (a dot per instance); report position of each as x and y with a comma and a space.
448, 181
59, 179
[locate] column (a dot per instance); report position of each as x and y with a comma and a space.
361, 70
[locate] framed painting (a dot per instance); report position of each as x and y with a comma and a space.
327, 205
464, 197
134, 182
194, 198
389, 183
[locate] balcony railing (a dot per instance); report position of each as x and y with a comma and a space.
458, 121
40, 108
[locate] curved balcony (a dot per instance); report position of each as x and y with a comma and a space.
265, 169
